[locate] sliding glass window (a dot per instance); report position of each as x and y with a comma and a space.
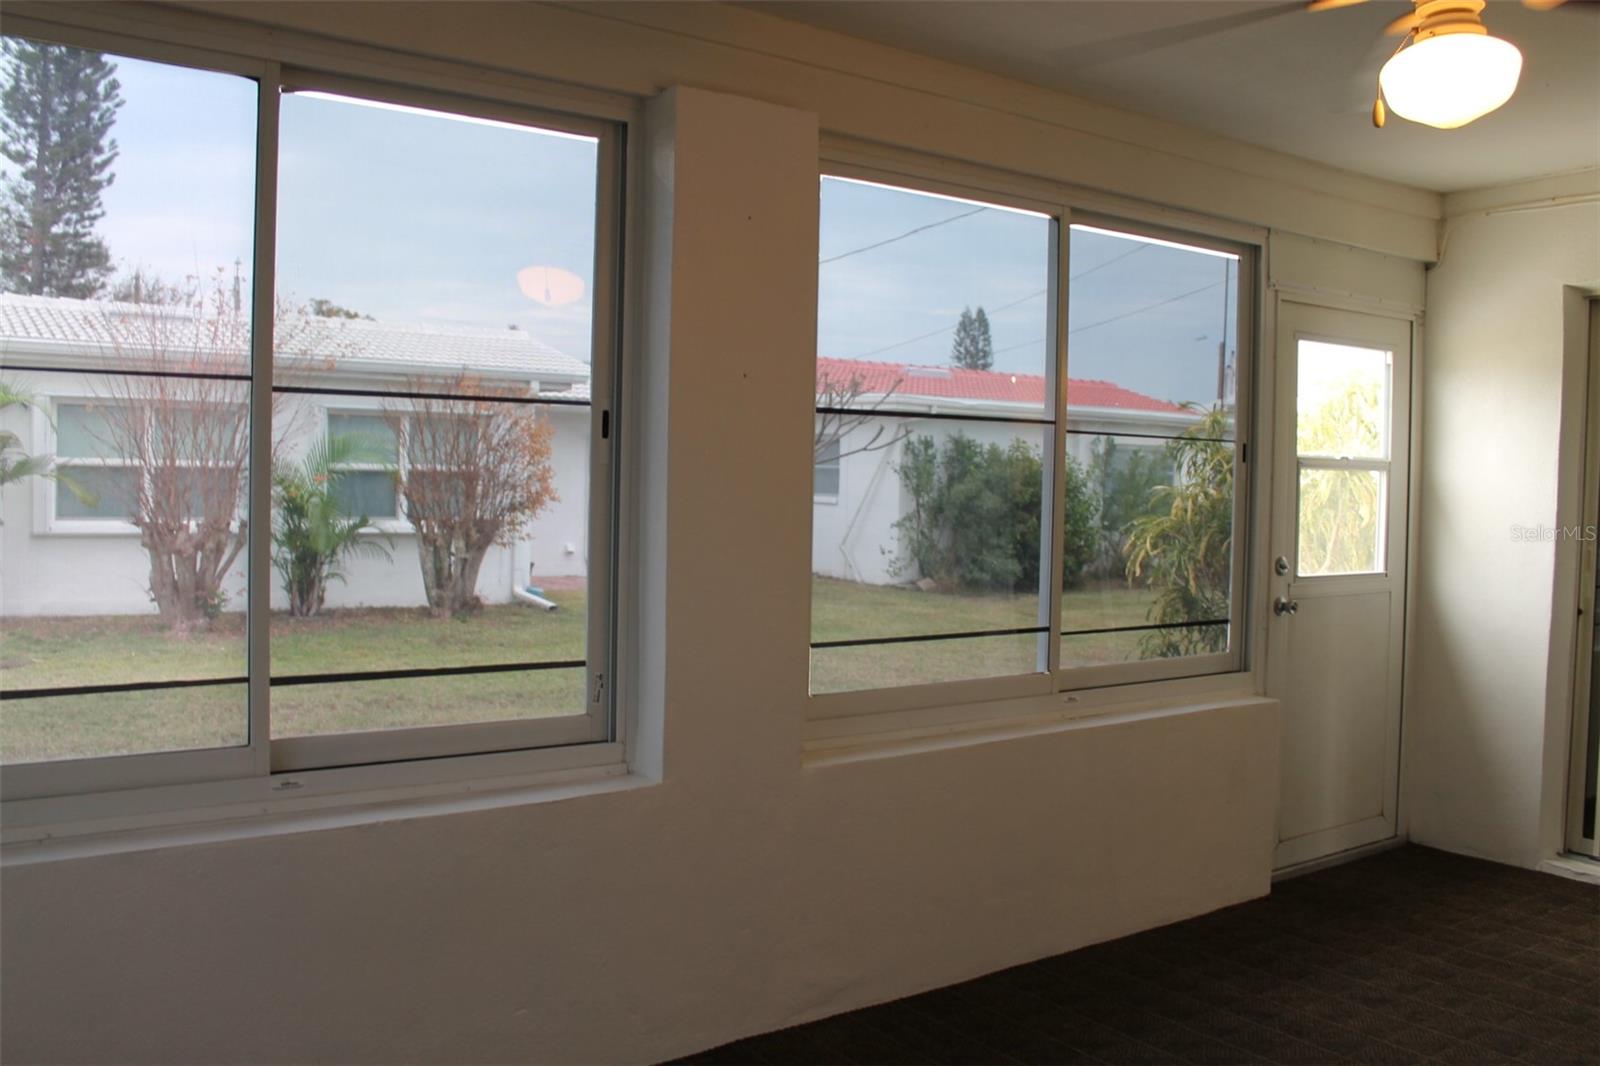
303, 449
1004, 503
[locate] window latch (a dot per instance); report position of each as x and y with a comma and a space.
599, 687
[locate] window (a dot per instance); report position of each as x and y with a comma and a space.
93, 479
825, 478
933, 359
994, 540
370, 439
364, 456
1152, 457
1342, 395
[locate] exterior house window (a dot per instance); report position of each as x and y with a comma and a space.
825, 477
93, 480
366, 483
1038, 502
371, 491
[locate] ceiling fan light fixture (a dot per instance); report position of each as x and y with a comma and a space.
1449, 79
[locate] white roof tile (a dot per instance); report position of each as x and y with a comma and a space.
103, 329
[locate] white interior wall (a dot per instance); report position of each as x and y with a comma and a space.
733, 884
1487, 725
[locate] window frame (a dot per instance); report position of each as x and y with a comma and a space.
41, 793
1080, 690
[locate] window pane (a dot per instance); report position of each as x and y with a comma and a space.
481, 302
928, 305
145, 271
364, 492
1152, 327
96, 491
925, 302
1341, 522
370, 436
41, 729
938, 533
488, 568
1148, 542
490, 276
1162, 642
853, 669
361, 706
1342, 400
82, 432
825, 478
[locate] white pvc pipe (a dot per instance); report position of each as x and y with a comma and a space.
538, 601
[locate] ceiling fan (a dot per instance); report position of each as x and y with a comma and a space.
1449, 70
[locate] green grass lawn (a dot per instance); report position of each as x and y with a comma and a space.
54, 652
844, 610
42, 653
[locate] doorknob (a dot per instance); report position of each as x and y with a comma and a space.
1281, 606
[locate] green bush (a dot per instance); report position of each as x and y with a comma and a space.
1183, 546
974, 517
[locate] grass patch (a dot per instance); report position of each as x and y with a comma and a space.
59, 652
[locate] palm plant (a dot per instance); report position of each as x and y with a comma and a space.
1183, 545
15, 463
312, 533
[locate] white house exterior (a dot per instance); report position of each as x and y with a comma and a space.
59, 560
858, 498
63, 559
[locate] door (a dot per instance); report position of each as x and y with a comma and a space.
1338, 574
1583, 835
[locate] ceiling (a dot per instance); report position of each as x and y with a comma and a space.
1264, 71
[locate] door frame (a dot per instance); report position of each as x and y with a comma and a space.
1580, 564
1405, 459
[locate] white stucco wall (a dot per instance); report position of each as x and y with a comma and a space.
1486, 744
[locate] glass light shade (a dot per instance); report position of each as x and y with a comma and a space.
1448, 81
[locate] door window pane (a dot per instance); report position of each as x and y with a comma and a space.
1341, 522
1342, 401
147, 270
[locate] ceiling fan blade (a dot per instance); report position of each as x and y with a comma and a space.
1406, 23
1329, 5
1094, 53
1543, 5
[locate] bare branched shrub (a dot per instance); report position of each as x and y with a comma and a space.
476, 472
842, 408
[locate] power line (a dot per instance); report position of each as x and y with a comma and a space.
1117, 318
1002, 307
1147, 307
900, 237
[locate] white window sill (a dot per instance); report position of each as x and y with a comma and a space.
70, 827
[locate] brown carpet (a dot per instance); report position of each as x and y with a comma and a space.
1412, 955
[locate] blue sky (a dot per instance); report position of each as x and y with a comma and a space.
425, 219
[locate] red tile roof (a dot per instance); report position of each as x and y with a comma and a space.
955, 383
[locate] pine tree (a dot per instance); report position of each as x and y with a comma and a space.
972, 347
57, 108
